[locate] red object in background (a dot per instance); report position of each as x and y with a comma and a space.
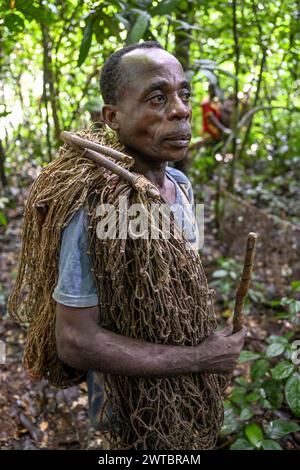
210, 107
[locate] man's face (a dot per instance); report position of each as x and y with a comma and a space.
154, 112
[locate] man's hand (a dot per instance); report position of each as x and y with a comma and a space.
223, 350
84, 345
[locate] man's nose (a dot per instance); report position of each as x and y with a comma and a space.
178, 109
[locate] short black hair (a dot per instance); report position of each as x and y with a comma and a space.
111, 78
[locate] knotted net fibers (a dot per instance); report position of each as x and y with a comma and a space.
152, 289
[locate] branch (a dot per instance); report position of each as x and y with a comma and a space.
245, 282
247, 116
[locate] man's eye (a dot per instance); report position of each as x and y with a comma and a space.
158, 99
186, 95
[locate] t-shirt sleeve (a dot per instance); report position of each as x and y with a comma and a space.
75, 286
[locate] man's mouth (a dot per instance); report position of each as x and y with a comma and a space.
178, 140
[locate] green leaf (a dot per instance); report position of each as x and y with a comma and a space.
282, 370
267, 444
295, 286
254, 434
292, 393
231, 423
274, 394
254, 396
165, 7
86, 41
275, 349
278, 339
14, 23
241, 444
4, 114
280, 427
259, 368
246, 414
3, 219
39, 13
246, 356
139, 28
238, 395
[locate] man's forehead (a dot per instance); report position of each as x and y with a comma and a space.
149, 61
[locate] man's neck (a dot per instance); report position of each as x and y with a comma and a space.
154, 171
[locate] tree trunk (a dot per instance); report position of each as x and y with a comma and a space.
50, 92
2, 166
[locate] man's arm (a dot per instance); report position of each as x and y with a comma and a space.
84, 345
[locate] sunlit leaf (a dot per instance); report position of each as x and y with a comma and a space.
254, 434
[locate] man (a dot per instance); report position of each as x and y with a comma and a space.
149, 108
147, 104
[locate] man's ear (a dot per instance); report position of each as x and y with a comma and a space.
110, 116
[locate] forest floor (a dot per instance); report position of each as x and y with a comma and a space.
35, 415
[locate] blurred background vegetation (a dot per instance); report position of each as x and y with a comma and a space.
51, 54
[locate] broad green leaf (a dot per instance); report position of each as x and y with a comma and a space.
254, 396
165, 7
259, 368
274, 393
86, 41
242, 444
275, 349
282, 370
231, 423
246, 356
292, 393
99, 32
14, 23
254, 434
278, 339
40, 13
295, 286
267, 444
280, 427
3, 219
139, 28
246, 414
238, 395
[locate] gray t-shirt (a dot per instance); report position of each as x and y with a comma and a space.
76, 286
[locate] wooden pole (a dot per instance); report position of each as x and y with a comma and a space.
139, 182
245, 282
74, 139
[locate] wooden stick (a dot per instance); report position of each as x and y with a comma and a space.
245, 282
139, 182
74, 139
